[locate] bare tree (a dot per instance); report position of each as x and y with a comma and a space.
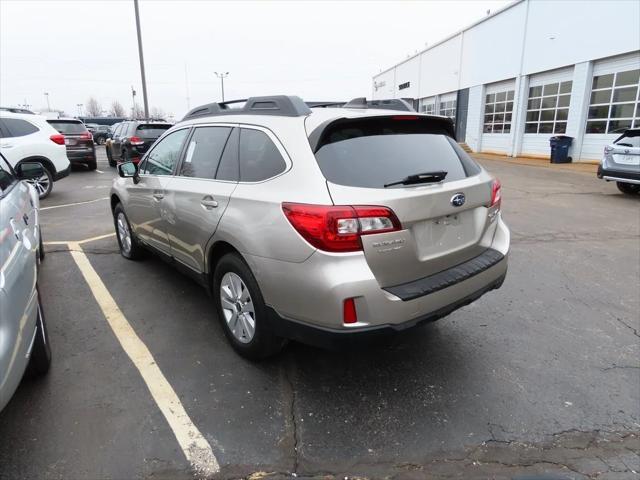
117, 110
137, 112
93, 107
157, 113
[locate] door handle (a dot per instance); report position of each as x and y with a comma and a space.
6, 145
208, 202
158, 196
16, 230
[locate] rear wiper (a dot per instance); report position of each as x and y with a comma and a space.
426, 177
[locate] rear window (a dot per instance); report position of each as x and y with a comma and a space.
631, 139
373, 152
67, 126
151, 130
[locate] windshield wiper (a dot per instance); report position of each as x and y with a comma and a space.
426, 177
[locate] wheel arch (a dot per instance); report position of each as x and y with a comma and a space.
46, 163
115, 200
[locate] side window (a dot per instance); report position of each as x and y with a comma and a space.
164, 156
259, 157
204, 152
19, 128
229, 169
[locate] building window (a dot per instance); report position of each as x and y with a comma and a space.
548, 108
448, 109
429, 108
498, 109
402, 86
615, 102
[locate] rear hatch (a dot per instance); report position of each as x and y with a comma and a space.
148, 133
443, 222
624, 153
76, 136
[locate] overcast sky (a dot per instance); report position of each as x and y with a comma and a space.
317, 50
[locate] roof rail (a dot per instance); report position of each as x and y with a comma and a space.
280, 105
387, 104
324, 104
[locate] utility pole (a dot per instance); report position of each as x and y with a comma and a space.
79, 105
186, 86
144, 80
133, 105
222, 76
46, 94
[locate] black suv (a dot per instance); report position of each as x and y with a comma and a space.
130, 140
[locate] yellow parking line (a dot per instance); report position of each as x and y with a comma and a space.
196, 448
73, 204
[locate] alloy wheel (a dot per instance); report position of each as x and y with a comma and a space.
237, 307
41, 184
124, 234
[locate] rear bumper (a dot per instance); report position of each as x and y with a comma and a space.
311, 293
81, 156
619, 175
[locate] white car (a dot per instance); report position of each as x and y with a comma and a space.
29, 138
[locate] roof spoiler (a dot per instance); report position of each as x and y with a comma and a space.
281, 105
399, 104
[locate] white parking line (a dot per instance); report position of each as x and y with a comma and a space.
99, 171
73, 204
196, 448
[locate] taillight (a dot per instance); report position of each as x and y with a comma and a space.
349, 314
57, 138
496, 193
608, 149
496, 199
136, 141
86, 136
339, 228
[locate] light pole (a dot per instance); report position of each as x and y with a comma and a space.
46, 94
144, 80
79, 105
222, 76
133, 108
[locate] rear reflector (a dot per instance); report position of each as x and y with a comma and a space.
57, 138
349, 314
339, 228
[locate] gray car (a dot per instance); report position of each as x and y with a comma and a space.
325, 225
23, 333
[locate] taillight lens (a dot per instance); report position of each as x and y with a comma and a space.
136, 141
339, 228
57, 138
496, 199
86, 136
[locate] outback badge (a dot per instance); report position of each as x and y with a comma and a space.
458, 199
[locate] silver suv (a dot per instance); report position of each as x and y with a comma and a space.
323, 225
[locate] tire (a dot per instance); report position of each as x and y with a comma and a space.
129, 246
43, 184
112, 162
234, 282
40, 246
40, 360
125, 155
101, 140
92, 165
628, 188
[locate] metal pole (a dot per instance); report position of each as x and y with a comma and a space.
48, 106
222, 76
144, 80
222, 84
133, 107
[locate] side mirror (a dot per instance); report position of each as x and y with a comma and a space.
128, 170
29, 170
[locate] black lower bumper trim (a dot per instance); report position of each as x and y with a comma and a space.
625, 175
447, 278
62, 173
346, 338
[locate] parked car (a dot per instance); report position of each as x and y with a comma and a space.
78, 140
25, 342
29, 138
131, 139
91, 127
621, 162
100, 134
326, 226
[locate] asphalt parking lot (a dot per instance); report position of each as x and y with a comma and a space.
542, 375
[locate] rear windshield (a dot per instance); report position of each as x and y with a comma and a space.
68, 126
151, 130
629, 139
373, 152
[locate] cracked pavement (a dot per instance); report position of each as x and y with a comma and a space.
541, 377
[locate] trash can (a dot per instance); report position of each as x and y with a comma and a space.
560, 148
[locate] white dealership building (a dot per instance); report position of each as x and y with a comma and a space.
532, 70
